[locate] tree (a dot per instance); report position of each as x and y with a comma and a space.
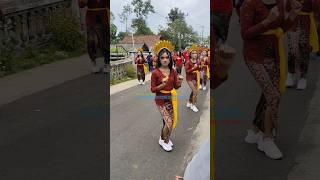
141, 27
142, 10
178, 31
121, 35
113, 30
124, 16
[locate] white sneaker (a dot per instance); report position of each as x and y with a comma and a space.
143, 83
189, 105
291, 80
194, 108
268, 146
165, 146
302, 84
200, 87
94, 68
161, 140
204, 88
253, 137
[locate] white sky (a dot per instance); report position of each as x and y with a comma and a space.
198, 14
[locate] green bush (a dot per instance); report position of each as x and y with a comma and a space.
65, 31
131, 72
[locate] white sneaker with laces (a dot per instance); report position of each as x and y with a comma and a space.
253, 137
165, 146
267, 145
194, 108
291, 80
189, 104
170, 142
302, 84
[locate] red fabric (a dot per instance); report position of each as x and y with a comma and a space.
221, 6
179, 61
252, 14
190, 76
186, 56
140, 62
156, 80
91, 16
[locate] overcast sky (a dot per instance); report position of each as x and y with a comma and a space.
198, 13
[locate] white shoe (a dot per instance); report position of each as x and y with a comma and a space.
143, 83
200, 87
165, 146
189, 105
106, 69
194, 108
268, 146
302, 84
291, 80
253, 137
94, 68
161, 140
204, 88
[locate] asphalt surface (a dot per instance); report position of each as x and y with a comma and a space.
57, 134
135, 129
235, 102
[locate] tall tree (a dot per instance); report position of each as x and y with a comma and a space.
141, 9
124, 16
113, 30
178, 31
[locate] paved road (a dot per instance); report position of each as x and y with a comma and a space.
135, 129
235, 102
57, 134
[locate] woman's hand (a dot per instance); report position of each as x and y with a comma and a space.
165, 80
295, 9
273, 15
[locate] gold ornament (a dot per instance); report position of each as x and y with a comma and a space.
194, 48
163, 45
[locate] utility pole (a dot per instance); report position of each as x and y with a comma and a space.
202, 28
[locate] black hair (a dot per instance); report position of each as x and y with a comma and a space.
162, 51
141, 54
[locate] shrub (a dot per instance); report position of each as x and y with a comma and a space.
66, 33
130, 71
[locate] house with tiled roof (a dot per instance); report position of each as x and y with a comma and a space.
146, 42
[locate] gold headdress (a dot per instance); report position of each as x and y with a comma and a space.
163, 45
193, 48
140, 49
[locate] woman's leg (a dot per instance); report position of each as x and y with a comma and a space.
139, 74
167, 116
143, 76
305, 49
192, 85
267, 76
205, 80
293, 51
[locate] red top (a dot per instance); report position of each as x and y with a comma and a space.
253, 12
156, 80
140, 62
186, 56
221, 6
179, 61
308, 6
190, 76
204, 64
92, 16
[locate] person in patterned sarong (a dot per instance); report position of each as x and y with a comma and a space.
164, 81
299, 38
97, 23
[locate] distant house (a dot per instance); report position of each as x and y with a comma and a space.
146, 42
